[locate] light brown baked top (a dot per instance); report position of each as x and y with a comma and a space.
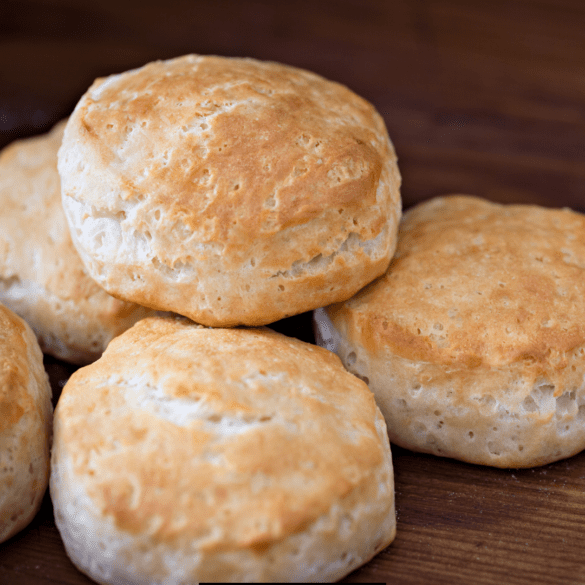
230, 438
477, 284
233, 146
42, 277
232, 191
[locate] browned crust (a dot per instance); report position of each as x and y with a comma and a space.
477, 284
25, 424
315, 442
234, 167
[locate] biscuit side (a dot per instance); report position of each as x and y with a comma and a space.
25, 425
42, 278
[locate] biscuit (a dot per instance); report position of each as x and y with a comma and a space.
474, 340
231, 191
26, 416
42, 278
230, 455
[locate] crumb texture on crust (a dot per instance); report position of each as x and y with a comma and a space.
474, 339
232, 455
26, 416
42, 278
249, 186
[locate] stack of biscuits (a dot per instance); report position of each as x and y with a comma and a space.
192, 202
187, 204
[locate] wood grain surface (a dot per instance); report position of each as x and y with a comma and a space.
485, 98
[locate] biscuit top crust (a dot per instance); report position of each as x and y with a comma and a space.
231, 438
15, 401
228, 151
35, 245
477, 284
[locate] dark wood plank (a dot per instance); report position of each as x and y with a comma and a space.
460, 523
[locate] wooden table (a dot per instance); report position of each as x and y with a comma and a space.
486, 98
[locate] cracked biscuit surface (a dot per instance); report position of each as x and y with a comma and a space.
42, 278
474, 340
26, 417
232, 191
219, 455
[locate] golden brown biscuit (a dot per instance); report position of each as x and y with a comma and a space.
232, 191
26, 416
474, 340
41, 275
235, 455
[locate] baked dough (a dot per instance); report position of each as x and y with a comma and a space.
231, 191
26, 416
229, 455
474, 340
42, 277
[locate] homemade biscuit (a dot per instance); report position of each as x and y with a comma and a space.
232, 191
230, 455
474, 340
26, 416
42, 277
